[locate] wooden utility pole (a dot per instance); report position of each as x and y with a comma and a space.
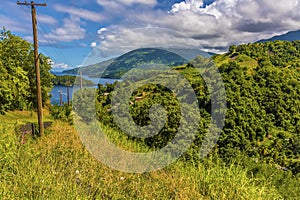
60, 98
80, 80
68, 94
36, 62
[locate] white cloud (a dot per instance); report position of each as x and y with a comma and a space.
59, 65
187, 5
114, 3
131, 2
16, 25
189, 24
93, 44
101, 30
46, 19
70, 31
79, 12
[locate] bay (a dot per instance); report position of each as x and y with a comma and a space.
55, 93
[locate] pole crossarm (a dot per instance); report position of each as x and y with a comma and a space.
31, 3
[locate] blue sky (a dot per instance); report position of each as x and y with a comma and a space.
75, 33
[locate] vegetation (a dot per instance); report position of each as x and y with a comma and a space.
68, 80
141, 58
57, 166
92, 70
262, 86
116, 67
256, 156
263, 91
17, 74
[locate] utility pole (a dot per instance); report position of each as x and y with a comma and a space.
36, 62
68, 94
60, 98
80, 80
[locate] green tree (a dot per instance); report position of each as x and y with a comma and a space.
18, 87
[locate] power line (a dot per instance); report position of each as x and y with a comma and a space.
53, 45
50, 42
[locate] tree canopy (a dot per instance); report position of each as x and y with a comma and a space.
17, 74
262, 83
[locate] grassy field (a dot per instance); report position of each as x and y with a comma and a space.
57, 166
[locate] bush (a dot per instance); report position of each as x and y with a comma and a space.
63, 113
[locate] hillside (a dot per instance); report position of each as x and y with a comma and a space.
91, 70
114, 68
255, 157
68, 80
57, 166
263, 91
290, 36
146, 57
117, 66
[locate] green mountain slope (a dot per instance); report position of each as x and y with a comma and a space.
91, 70
141, 57
116, 67
262, 82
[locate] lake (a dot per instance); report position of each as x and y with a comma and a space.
55, 99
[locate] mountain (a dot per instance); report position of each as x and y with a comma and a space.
116, 67
190, 54
141, 58
91, 70
290, 36
57, 70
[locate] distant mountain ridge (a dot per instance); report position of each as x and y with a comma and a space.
91, 70
141, 58
290, 36
116, 67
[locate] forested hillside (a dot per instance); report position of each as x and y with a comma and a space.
262, 83
142, 58
263, 91
17, 74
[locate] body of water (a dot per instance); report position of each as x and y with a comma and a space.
63, 90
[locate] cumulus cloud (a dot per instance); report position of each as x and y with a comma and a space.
193, 5
56, 66
194, 24
70, 31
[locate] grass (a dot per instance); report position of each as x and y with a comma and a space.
22, 117
58, 166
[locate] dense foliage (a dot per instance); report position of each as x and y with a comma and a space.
17, 74
262, 83
263, 89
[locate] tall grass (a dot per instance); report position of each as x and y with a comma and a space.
57, 166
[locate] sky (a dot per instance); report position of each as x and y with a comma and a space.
77, 33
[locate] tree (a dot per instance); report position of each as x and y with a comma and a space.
18, 87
